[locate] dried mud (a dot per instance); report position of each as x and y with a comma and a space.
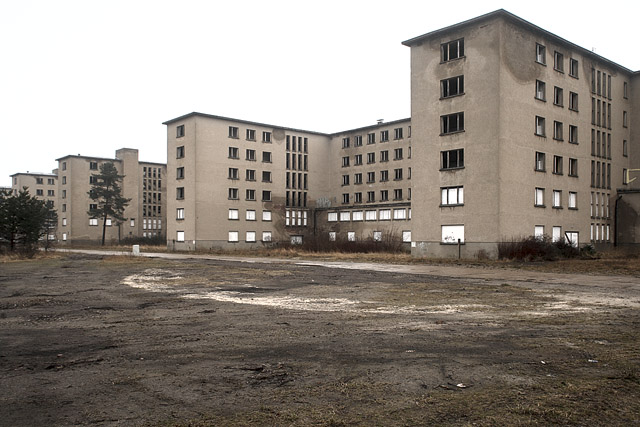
90, 340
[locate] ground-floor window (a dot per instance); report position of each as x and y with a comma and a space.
452, 233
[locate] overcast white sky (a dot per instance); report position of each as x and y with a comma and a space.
89, 77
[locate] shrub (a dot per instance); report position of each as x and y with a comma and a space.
536, 248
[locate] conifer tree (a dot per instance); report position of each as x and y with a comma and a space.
107, 193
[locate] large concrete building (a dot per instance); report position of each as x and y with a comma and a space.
41, 185
516, 132
142, 183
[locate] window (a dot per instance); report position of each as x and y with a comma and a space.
233, 236
452, 123
251, 155
397, 154
371, 138
398, 174
233, 173
332, 216
332, 236
64, 222
384, 195
384, 156
93, 165
266, 156
233, 214
370, 215
540, 162
573, 200
108, 222
357, 178
539, 197
64, 180
624, 119
345, 198
384, 176
266, 195
250, 175
377, 236
397, 133
92, 206
573, 134
251, 135
371, 158
452, 50
180, 152
357, 215
385, 214
250, 215
64, 166
234, 153
180, 193
180, 131
451, 196
250, 236
453, 234
384, 136
557, 198
266, 136
540, 126
180, 173
51, 193
39, 192
557, 165
266, 236
541, 54
357, 159
358, 141
93, 221
371, 177
345, 142
400, 213
452, 159
451, 87
250, 194
624, 177
64, 207
625, 148
558, 96
351, 236
538, 231
233, 193
180, 213
556, 234
371, 196
397, 194
266, 176
179, 236
573, 67
345, 179
357, 197
345, 216
573, 101
233, 132
541, 90
345, 161
558, 61
557, 130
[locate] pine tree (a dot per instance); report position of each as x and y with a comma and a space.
107, 194
24, 220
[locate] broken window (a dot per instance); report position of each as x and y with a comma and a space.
452, 159
452, 123
452, 50
452, 87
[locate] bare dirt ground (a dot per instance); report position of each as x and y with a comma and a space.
99, 340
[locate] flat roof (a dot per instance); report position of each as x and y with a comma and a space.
34, 174
519, 21
248, 122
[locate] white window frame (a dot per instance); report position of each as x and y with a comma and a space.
451, 233
266, 215
385, 215
357, 216
234, 214
233, 236
345, 216
399, 213
250, 215
332, 217
371, 215
93, 222
179, 236
250, 237
179, 213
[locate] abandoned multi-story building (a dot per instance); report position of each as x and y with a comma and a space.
41, 185
68, 187
142, 183
514, 132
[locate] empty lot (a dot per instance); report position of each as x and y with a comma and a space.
98, 340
